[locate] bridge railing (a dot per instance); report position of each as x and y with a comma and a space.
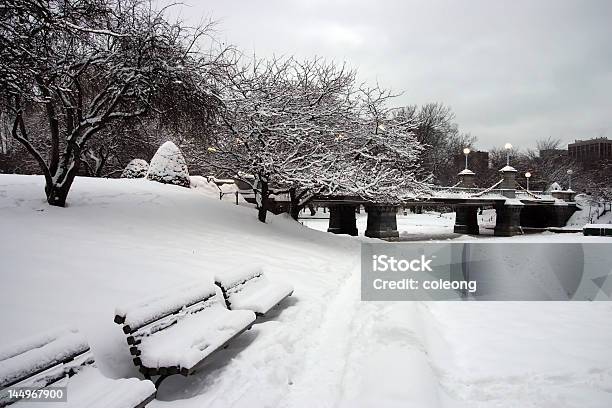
465, 192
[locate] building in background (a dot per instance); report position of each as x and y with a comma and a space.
590, 151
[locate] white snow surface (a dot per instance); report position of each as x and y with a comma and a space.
194, 336
229, 279
598, 226
91, 389
167, 301
250, 289
29, 356
209, 188
118, 241
590, 212
169, 166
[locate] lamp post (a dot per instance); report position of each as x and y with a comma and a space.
466, 151
508, 147
569, 175
527, 176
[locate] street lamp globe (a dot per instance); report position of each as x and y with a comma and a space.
508, 147
466, 150
569, 176
527, 175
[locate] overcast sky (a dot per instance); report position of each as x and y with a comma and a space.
514, 71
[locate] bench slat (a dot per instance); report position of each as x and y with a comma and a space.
59, 357
149, 310
63, 346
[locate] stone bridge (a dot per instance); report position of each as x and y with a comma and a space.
515, 208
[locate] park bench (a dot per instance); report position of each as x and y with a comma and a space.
600, 230
173, 332
62, 358
249, 289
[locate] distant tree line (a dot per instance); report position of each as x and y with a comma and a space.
546, 169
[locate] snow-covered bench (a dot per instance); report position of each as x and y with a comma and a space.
62, 358
600, 230
249, 289
173, 332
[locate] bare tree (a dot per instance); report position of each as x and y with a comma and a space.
549, 143
433, 126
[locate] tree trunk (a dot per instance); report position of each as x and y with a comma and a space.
294, 204
56, 195
263, 209
57, 191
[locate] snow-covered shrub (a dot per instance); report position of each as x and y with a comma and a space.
168, 166
137, 168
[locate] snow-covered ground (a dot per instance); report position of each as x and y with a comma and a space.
120, 240
411, 226
592, 212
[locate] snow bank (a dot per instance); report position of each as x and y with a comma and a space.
137, 168
168, 166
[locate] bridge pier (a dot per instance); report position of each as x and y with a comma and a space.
543, 216
561, 214
382, 221
466, 220
537, 216
508, 219
342, 219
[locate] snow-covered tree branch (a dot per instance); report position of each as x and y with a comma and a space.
85, 64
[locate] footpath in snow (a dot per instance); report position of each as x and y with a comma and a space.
121, 240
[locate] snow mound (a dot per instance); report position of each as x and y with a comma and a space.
168, 166
137, 168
